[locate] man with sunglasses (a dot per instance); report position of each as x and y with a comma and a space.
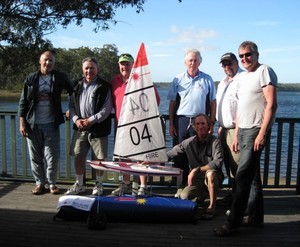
226, 112
257, 106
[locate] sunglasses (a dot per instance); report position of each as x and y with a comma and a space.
248, 54
226, 64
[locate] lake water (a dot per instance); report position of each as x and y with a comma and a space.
288, 103
288, 107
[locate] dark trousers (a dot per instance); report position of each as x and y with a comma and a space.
248, 193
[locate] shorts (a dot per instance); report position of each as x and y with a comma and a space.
82, 142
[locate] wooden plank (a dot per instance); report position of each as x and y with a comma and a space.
26, 220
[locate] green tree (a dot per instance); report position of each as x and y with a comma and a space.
26, 22
108, 61
67, 60
24, 25
17, 62
70, 61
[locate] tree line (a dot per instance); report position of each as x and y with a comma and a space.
21, 62
13, 72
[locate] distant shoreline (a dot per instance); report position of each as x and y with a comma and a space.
9, 94
17, 94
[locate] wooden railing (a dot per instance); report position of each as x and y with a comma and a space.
280, 160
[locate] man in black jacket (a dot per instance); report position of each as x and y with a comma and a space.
90, 108
40, 116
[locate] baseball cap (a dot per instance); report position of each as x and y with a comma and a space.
228, 56
126, 58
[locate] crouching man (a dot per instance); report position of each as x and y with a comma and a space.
205, 156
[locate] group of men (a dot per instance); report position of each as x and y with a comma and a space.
91, 101
244, 107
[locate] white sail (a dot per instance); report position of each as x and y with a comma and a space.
139, 133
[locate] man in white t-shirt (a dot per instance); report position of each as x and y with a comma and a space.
257, 104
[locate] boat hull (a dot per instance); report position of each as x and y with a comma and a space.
135, 168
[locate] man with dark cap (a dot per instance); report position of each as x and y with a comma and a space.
226, 112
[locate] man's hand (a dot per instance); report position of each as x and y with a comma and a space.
23, 127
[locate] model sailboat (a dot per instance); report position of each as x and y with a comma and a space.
139, 136
140, 139
139, 133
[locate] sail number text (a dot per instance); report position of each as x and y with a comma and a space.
136, 137
143, 103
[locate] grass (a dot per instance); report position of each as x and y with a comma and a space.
9, 93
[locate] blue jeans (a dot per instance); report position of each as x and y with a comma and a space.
248, 194
44, 151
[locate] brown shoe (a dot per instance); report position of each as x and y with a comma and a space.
39, 189
54, 190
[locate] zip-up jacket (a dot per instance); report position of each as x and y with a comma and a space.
103, 89
29, 96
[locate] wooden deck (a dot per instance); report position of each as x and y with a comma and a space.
26, 220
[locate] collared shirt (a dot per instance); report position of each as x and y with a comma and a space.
193, 92
227, 101
87, 104
200, 153
118, 91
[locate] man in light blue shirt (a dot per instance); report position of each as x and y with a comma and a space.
191, 93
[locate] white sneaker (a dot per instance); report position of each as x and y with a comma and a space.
75, 189
179, 190
122, 189
134, 192
142, 191
98, 189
